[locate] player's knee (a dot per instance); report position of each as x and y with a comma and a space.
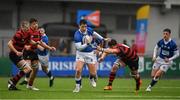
78, 72
26, 68
114, 68
35, 65
134, 74
156, 78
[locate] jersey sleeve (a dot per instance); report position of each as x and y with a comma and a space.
174, 46
159, 43
77, 37
16, 37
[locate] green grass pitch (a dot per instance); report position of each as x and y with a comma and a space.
166, 89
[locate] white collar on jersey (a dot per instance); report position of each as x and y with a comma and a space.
85, 33
166, 42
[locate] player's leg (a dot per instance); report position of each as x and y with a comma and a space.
26, 79
93, 74
136, 76
79, 66
44, 64
157, 76
24, 68
91, 61
134, 65
155, 68
35, 66
112, 74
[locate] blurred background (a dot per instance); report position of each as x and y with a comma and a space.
116, 19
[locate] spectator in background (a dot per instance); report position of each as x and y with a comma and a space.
125, 42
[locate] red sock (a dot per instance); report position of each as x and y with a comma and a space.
16, 78
111, 78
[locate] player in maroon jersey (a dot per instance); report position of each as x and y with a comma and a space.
30, 53
126, 56
16, 45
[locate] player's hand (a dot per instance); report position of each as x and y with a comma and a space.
98, 48
53, 49
19, 53
88, 39
107, 39
100, 59
154, 59
166, 60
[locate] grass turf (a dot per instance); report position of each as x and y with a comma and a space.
122, 89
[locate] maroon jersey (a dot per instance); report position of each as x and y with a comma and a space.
20, 39
126, 53
35, 36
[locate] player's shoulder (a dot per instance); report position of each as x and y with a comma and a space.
89, 29
172, 42
18, 33
77, 33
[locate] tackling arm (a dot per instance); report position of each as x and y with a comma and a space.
10, 45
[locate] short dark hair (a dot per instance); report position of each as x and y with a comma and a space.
112, 42
33, 20
167, 30
83, 21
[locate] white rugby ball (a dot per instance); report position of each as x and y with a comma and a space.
87, 39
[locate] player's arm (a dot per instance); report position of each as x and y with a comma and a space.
155, 52
108, 50
80, 46
176, 54
99, 36
78, 43
43, 44
11, 47
101, 58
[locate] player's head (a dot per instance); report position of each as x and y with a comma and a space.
112, 43
166, 34
83, 25
25, 26
33, 23
42, 30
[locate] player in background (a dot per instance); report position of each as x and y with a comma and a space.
16, 45
126, 56
44, 57
30, 53
85, 53
162, 62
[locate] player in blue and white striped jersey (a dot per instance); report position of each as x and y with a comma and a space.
85, 41
168, 52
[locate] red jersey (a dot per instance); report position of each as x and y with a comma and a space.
20, 39
134, 47
35, 36
126, 53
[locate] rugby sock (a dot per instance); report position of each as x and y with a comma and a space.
78, 81
30, 83
137, 82
27, 76
16, 78
111, 78
49, 74
92, 77
154, 81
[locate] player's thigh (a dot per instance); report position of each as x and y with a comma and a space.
159, 73
92, 68
79, 65
43, 60
155, 68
